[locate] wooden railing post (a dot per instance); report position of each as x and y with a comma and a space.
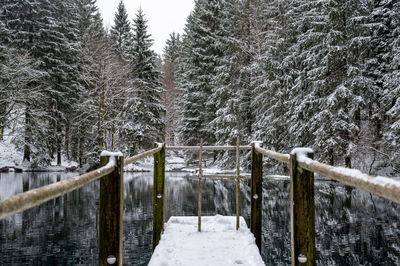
256, 194
110, 211
158, 194
302, 213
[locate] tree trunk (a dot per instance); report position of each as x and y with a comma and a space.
66, 141
58, 146
100, 118
99, 129
347, 161
331, 159
74, 147
112, 136
1, 130
28, 136
80, 152
357, 117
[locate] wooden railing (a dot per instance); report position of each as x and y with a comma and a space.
302, 212
111, 199
302, 169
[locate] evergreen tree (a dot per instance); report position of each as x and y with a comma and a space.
192, 97
89, 22
120, 33
200, 58
102, 72
82, 143
389, 34
143, 110
333, 122
272, 71
230, 82
246, 93
4, 40
25, 21
308, 71
60, 58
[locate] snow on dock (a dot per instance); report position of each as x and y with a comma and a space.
217, 244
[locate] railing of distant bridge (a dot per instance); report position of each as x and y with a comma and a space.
302, 169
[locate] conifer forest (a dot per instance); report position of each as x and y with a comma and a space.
323, 74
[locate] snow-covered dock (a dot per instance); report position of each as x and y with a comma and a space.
217, 244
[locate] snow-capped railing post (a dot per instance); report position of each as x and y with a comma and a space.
302, 212
111, 209
158, 193
256, 193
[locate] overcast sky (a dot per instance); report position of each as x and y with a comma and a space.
163, 16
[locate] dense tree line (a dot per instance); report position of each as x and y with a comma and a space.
70, 88
316, 73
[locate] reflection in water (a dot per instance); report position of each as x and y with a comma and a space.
353, 228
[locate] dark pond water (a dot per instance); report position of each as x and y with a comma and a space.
353, 227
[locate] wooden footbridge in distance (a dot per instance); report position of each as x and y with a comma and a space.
111, 174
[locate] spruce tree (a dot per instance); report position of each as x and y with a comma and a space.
83, 142
273, 71
230, 80
120, 33
192, 97
333, 122
143, 125
391, 80
59, 52
4, 40
200, 59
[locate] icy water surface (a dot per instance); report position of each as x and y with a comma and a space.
353, 227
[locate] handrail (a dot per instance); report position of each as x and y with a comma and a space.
272, 154
381, 186
302, 209
206, 148
142, 155
34, 197
224, 176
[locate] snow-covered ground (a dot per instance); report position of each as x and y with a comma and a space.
173, 163
147, 164
217, 244
9, 155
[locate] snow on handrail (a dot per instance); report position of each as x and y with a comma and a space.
142, 155
35, 197
381, 186
272, 154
